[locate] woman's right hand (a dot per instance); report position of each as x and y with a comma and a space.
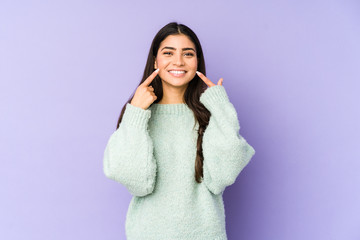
144, 95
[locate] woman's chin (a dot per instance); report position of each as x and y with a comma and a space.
176, 82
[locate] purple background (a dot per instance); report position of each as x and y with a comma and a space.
290, 68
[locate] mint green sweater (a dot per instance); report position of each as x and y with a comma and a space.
152, 154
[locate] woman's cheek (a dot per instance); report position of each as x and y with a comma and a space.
162, 73
162, 65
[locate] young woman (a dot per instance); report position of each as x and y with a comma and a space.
177, 145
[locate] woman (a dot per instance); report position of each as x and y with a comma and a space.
177, 145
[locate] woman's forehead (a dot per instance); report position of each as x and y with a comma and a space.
177, 41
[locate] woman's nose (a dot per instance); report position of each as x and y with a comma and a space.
179, 59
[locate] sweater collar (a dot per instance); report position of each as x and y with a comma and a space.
174, 108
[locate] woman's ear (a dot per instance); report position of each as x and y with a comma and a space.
155, 65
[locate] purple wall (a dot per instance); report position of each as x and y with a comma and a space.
291, 69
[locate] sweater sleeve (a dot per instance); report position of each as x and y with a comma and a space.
225, 151
128, 156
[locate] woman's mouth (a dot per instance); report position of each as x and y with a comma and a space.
177, 73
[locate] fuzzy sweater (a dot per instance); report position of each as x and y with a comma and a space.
152, 154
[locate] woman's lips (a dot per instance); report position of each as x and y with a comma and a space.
177, 74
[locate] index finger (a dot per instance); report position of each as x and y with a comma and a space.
205, 79
150, 78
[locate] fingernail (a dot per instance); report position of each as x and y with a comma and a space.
197, 72
157, 70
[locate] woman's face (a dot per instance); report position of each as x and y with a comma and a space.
176, 52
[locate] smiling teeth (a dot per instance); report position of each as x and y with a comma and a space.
177, 72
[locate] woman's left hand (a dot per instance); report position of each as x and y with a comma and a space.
207, 81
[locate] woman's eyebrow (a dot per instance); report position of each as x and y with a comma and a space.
172, 48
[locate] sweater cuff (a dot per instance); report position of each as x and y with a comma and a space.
136, 116
213, 95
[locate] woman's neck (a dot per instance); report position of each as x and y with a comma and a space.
172, 95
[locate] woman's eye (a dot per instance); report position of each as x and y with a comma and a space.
187, 54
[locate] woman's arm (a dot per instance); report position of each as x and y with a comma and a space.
225, 151
128, 156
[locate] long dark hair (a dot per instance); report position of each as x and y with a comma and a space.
192, 94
